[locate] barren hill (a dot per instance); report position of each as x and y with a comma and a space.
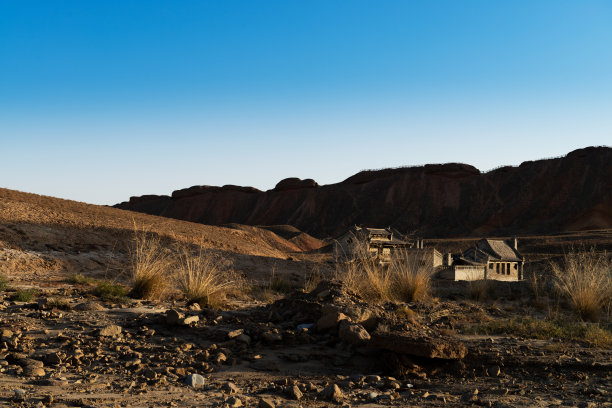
41, 235
553, 195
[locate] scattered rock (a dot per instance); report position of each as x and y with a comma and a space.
266, 403
353, 333
493, 370
295, 393
421, 346
243, 338
91, 306
110, 331
19, 394
234, 402
272, 336
190, 320
234, 333
6, 334
230, 388
194, 380
332, 393
174, 317
330, 320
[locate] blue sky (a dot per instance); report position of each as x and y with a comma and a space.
103, 100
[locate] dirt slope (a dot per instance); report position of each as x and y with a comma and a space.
545, 196
47, 236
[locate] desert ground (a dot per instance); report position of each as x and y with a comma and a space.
288, 331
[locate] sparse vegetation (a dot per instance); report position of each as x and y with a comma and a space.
406, 313
203, 279
58, 302
149, 266
277, 283
110, 291
366, 278
4, 282
544, 329
410, 279
312, 280
403, 279
585, 278
481, 289
80, 279
24, 295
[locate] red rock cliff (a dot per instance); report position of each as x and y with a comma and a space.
569, 193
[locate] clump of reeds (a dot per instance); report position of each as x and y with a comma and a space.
585, 278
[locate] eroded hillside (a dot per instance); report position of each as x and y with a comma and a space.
545, 196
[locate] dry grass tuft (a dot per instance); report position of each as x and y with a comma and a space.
404, 279
481, 289
313, 279
411, 280
4, 282
150, 266
586, 279
204, 279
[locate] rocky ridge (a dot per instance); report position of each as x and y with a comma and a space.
573, 192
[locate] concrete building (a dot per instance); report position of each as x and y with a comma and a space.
491, 259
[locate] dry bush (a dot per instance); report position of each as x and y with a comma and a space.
366, 278
204, 278
150, 264
585, 278
315, 276
481, 289
410, 278
403, 279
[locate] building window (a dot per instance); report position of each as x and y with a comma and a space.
490, 266
508, 269
497, 268
515, 267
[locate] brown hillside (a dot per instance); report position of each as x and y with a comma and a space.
42, 235
538, 197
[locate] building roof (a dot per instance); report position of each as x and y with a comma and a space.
378, 231
499, 249
366, 233
393, 241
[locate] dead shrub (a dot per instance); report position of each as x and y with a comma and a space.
410, 278
150, 264
481, 289
205, 279
366, 278
313, 279
585, 278
277, 283
404, 278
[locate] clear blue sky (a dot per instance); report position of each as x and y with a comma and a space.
100, 100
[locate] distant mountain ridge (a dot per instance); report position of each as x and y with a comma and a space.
573, 192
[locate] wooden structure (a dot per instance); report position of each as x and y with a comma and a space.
373, 243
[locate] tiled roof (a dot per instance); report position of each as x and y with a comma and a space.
501, 250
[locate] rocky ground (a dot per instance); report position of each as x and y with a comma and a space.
323, 348
315, 348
